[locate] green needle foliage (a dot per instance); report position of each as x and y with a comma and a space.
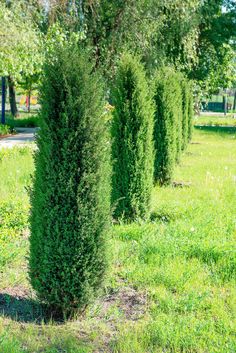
178, 112
132, 132
168, 124
185, 112
190, 113
70, 199
179, 118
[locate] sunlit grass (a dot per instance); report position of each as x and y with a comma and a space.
16, 167
182, 263
214, 120
23, 120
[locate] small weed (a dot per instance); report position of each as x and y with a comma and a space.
6, 130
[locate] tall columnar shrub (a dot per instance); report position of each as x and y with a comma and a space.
70, 199
185, 112
132, 148
167, 125
178, 112
190, 112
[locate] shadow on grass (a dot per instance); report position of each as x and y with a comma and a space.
26, 310
224, 130
22, 309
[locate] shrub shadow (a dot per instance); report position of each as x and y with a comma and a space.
128, 302
21, 309
217, 129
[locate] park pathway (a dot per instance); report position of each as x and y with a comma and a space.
23, 137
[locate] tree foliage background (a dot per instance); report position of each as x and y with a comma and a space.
21, 42
195, 36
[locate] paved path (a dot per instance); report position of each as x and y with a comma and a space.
23, 136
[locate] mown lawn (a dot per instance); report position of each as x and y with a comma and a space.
171, 284
214, 120
23, 120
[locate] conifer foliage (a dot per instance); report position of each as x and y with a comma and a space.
177, 100
70, 199
167, 125
132, 147
187, 108
185, 112
172, 122
190, 112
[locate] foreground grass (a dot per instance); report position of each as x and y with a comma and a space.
171, 286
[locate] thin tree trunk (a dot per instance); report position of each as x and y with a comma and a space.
29, 96
225, 104
12, 97
234, 105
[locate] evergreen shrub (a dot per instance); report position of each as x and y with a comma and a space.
132, 147
178, 112
70, 198
167, 124
185, 112
190, 112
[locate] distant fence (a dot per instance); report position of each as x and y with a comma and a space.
216, 102
215, 106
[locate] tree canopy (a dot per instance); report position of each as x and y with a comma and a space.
195, 36
21, 44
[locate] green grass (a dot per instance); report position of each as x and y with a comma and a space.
15, 168
215, 120
24, 120
171, 284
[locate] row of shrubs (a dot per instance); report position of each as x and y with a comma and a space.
151, 127
73, 188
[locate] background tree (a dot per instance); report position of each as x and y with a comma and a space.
29, 83
141, 27
194, 36
12, 95
216, 45
21, 47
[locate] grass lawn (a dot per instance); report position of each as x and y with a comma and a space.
23, 120
214, 120
171, 284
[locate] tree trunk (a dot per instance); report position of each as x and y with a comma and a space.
3, 100
29, 96
225, 104
12, 97
234, 105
